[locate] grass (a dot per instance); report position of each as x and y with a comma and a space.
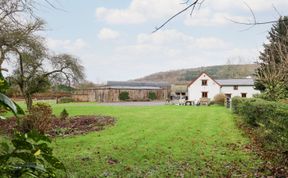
157, 141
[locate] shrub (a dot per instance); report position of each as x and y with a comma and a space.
39, 119
152, 95
236, 101
30, 156
27, 155
64, 114
268, 117
219, 99
66, 100
123, 96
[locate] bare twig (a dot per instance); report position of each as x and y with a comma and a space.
253, 16
194, 3
276, 10
255, 22
259, 23
192, 6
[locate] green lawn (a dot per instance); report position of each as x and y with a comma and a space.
157, 141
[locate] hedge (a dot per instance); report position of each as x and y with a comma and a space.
271, 118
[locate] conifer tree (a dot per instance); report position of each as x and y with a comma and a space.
272, 73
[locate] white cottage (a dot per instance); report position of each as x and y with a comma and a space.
206, 87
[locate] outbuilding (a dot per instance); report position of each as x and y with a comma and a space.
137, 91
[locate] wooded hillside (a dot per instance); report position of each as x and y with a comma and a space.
217, 72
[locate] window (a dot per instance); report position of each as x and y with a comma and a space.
204, 82
204, 94
177, 93
235, 87
243, 95
183, 94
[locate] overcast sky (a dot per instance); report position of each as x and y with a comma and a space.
113, 38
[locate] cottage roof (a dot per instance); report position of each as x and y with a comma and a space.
200, 76
231, 82
137, 84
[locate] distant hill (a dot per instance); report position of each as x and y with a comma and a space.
217, 72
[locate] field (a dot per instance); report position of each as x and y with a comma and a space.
157, 141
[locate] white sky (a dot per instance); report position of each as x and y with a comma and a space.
113, 38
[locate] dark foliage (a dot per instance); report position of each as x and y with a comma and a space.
30, 156
3, 87
152, 96
64, 114
124, 96
271, 75
3, 84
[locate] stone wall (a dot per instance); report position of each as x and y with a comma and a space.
112, 94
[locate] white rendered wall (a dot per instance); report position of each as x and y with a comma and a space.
249, 90
195, 90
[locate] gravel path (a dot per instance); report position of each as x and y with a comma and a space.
156, 103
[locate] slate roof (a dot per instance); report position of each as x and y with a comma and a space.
135, 88
231, 82
142, 85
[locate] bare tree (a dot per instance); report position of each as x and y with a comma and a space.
32, 74
12, 38
18, 40
11, 10
17, 23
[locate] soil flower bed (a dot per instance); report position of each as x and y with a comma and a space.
76, 125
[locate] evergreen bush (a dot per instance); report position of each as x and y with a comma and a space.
152, 96
64, 114
124, 96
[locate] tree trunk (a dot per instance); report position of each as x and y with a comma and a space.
29, 101
1, 58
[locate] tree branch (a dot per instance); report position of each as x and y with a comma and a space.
255, 22
194, 3
56, 71
192, 6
